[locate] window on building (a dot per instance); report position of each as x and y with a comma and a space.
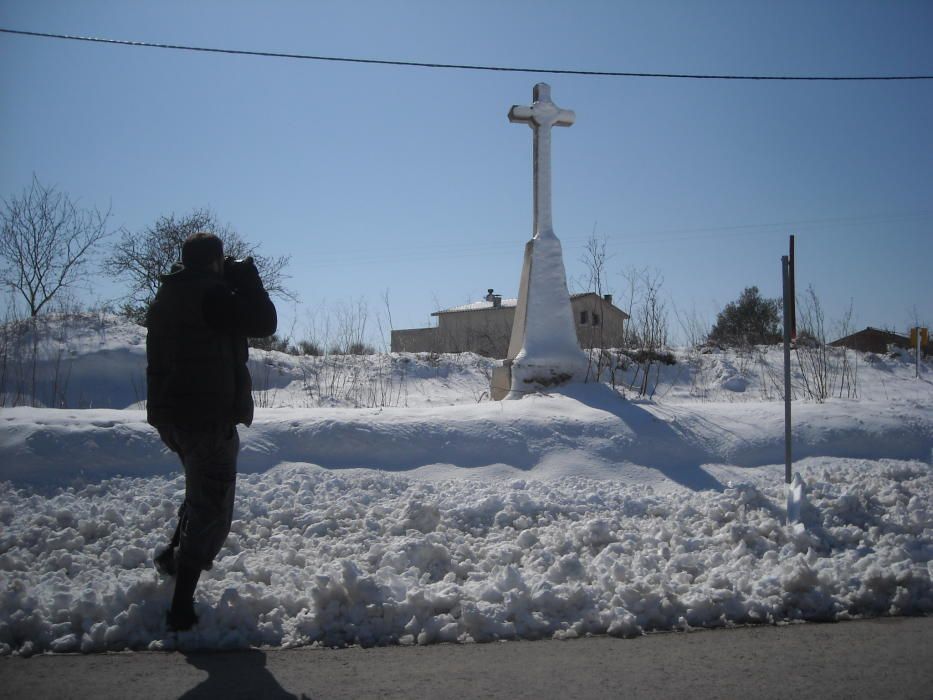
595, 319
583, 317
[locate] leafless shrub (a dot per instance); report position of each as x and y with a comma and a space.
353, 380
334, 363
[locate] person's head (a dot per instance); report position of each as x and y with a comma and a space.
203, 251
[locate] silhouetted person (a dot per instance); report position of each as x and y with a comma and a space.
236, 674
198, 389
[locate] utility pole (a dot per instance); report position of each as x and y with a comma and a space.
793, 485
793, 295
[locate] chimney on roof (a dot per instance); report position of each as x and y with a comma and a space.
608, 298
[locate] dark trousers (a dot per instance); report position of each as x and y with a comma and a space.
209, 458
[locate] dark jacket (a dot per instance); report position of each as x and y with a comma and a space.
197, 375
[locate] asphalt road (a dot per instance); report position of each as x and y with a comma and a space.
881, 658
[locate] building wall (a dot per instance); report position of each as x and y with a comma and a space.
414, 340
608, 332
872, 340
485, 331
488, 331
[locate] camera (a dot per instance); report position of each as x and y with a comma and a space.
240, 273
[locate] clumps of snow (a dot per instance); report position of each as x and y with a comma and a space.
737, 384
795, 498
363, 557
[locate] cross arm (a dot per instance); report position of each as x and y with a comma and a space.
545, 114
521, 115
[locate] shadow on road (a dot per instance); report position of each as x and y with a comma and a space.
236, 674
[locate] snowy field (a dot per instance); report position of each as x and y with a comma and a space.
384, 500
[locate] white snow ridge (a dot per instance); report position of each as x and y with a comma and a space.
554, 516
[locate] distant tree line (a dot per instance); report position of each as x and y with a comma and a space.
49, 246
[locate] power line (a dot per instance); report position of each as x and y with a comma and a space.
459, 66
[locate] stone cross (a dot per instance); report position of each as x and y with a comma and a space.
541, 116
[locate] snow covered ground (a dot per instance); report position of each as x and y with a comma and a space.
430, 514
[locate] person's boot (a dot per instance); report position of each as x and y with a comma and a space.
165, 562
180, 616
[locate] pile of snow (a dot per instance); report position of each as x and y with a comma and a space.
455, 520
363, 557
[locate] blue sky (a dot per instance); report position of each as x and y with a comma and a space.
412, 180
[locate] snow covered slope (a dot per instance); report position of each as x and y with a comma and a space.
99, 362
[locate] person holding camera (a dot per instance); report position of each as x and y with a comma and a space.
198, 388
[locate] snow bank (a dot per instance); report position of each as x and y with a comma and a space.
587, 430
369, 558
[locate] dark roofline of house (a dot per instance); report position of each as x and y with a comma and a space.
871, 329
879, 330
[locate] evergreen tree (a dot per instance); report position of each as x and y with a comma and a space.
750, 320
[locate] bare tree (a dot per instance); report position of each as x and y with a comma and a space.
646, 340
849, 380
813, 354
595, 258
825, 370
46, 242
382, 323
632, 293
351, 320
654, 331
694, 329
144, 257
